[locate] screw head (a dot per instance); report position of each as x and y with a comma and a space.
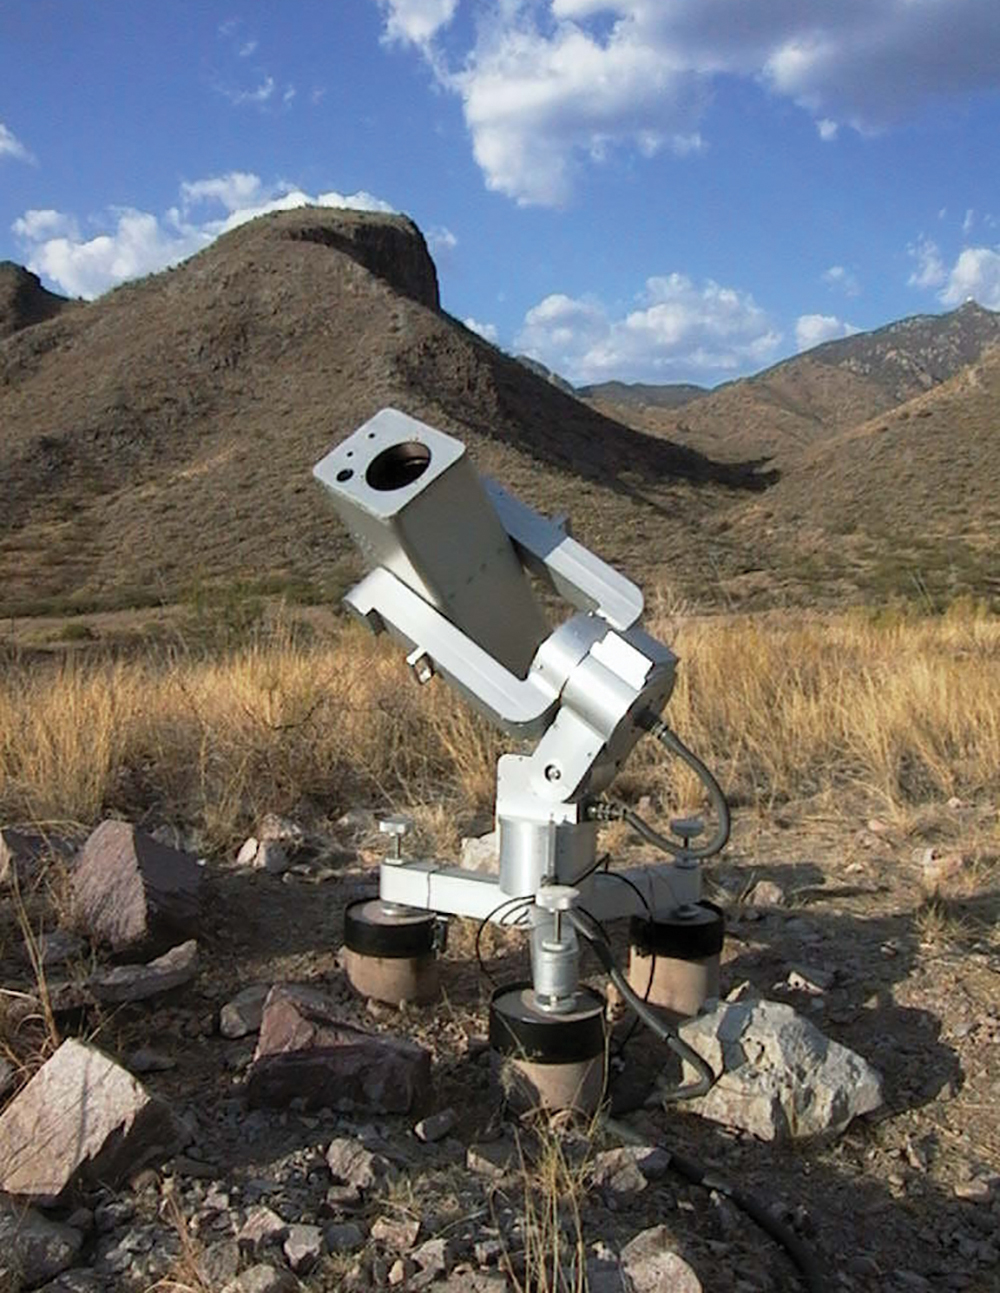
395, 824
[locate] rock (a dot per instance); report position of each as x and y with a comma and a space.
138, 982
939, 870
263, 1279
307, 1051
492, 1159
481, 853
248, 852
344, 1237
242, 1015
8, 1078
766, 893
274, 827
778, 1076
134, 893
468, 1281
147, 1060
877, 827
352, 1164
977, 1190
434, 1256
629, 1168
435, 1127
81, 1279
814, 979
219, 1263
397, 1233
81, 1118
113, 1213
24, 854
272, 857
60, 946
35, 1248
303, 1247
342, 1198
651, 1267
262, 1226
400, 1270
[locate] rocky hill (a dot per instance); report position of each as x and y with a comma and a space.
802, 401
23, 300
163, 436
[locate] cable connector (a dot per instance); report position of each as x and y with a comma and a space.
604, 810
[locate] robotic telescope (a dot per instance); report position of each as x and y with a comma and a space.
448, 557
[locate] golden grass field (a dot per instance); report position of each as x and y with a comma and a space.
890, 715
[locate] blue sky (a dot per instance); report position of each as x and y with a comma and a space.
649, 190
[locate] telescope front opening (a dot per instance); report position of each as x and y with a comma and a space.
399, 465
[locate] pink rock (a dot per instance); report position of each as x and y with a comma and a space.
306, 1050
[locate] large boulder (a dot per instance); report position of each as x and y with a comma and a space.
134, 893
82, 1119
306, 1050
779, 1077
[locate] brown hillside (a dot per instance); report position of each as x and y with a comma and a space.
163, 436
802, 401
23, 300
909, 501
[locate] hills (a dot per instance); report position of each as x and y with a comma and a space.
159, 441
163, 436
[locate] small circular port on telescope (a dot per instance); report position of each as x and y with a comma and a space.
399, 465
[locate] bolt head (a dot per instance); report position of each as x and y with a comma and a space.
395, 824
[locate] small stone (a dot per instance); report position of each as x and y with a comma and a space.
493, 1159
263, 1279
248, 852
272, 856
275, 827
262, 1226
398, 1233
342, 1198
351, 1163
242, 1015
303, 1247
344, 1237
78, 1280
36, 1247
616, 1171
60, 946
436, 1126
877, 826
651, 1267
488, 1252
113, 1214
766, 893
939, 870
480, 852
138, 982
435, 1256
813, 979
977, 1190
400, 1270
219, 1263
146, 1060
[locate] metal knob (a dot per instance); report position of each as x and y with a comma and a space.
688, 828
396, 826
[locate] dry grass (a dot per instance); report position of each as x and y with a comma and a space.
786, 708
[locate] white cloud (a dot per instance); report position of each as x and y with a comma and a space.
137, 242
813, 329
930, 271
440, 240
11, 146
842, 279
677, 330
550, 86
416, 21
969, 221
246, 49
488, 331
240, 98
976, 276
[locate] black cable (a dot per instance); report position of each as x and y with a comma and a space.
606, 811
520, 900
602, 947
616, 875
695, 1173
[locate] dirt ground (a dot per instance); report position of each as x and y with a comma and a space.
914, 991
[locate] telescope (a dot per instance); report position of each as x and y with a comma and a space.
449, 558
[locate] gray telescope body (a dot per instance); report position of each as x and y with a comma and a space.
414, 505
